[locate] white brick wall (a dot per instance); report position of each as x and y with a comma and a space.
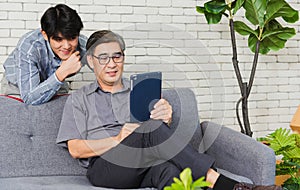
171, 36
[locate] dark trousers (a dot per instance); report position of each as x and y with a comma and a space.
150, 157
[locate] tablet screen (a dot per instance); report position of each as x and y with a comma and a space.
145, 92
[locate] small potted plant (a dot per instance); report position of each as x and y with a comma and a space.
186, 182
287, 145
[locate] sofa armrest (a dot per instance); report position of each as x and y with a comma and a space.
239, 154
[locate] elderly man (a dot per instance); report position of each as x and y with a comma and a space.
127, 155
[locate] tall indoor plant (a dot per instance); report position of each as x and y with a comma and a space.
265, 34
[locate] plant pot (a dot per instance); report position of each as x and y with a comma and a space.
295, 123
280, 179
295, 129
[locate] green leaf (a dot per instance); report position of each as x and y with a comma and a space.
255, 10
297, 138
243, 29
273, 43
200, 10
283, 33
291, 186
280, 140
293, 19
186, 177
238, 5
274, 28
272, 10
273, 25
213, 18
292, 183
280, 8
176, 180
252, 40
176, 186
293, 153
210, 18
215, 6
289, 14
186, 182
200, 183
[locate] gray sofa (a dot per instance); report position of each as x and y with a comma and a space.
31, 160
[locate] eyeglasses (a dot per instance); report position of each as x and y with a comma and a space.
105, 59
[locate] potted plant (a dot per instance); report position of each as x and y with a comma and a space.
295, 123
287, 145
265, 34
186, 182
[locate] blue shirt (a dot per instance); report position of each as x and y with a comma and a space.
31, 67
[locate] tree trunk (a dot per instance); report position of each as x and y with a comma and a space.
245, 110
245, 91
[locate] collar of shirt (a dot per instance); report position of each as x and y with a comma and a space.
57, 60
95, 87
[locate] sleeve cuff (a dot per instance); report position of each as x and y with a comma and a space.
59, 82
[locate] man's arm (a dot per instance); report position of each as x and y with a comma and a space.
69, 66
31, 89
79, 148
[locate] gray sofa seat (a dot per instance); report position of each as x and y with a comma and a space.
50, 183
31, 160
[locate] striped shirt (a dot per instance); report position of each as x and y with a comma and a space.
31, 67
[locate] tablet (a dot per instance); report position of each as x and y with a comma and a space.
144, 93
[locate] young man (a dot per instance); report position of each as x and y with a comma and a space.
127, 155
36, 70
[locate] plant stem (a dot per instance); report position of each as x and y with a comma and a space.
253, 67
238, 116
243, 86
234, 57
247, 91
245, 110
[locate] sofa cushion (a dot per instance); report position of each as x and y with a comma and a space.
50, 183
185, 116
27, 140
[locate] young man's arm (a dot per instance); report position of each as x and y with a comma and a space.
69, 66
29, 58
32, 91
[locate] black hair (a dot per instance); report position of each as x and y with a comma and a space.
103, 36
61, 19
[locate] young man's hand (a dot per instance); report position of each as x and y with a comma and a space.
163, 111
69, 66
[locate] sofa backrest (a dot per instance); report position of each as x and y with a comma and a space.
28, 134
27, 140
185, 116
